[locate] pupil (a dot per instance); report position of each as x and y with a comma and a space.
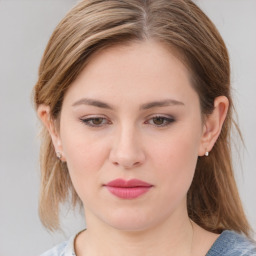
97, 120
158, 120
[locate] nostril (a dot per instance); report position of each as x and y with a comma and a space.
127, 166
132, 165
136, 164
126, 158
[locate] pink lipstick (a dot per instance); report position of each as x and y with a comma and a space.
128, 189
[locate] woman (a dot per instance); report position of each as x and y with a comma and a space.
137, 112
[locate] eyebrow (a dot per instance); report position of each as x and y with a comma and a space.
162, 103
101, 104
92, 102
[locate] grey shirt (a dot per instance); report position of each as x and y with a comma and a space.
228, 243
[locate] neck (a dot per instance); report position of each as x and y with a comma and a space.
172, 237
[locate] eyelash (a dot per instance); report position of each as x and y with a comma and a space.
166, 120
89, 121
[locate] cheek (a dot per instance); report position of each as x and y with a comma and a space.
175, 159
178, 148
85, 156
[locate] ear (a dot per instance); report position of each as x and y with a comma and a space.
43, 113
213, 125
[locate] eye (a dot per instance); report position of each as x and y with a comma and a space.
95, 121
160, 121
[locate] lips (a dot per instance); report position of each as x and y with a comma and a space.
128, 189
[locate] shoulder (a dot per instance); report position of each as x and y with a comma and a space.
63, 249
230, 243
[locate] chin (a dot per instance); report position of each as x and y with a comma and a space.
130, 222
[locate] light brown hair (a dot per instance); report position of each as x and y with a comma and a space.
213, 201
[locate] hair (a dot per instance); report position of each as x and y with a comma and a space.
92, 25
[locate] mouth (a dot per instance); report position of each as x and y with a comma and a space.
128, 189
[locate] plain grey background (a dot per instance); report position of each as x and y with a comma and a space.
25, 27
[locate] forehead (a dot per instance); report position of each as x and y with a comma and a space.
146, 69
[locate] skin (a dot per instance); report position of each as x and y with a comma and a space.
130, 138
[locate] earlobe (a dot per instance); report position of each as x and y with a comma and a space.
213, 125
44, 114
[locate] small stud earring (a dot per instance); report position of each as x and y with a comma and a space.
206, 153
59, 156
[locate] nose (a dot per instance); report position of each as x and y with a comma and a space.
127, 150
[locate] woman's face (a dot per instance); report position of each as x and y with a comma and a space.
132, 115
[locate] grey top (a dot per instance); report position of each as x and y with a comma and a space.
228, 243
